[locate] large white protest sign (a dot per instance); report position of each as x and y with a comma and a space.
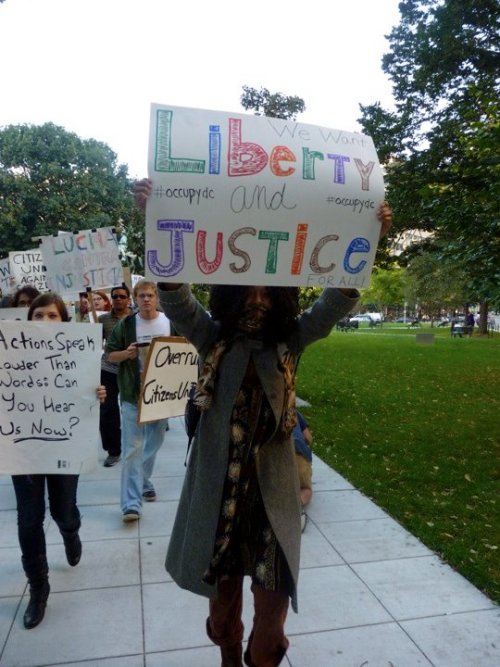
49, 413
170, 370
7, 282
77, 260
27, 268
252, 200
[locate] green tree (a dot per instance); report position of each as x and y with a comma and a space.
442, 144
274, 105
435, 285
387, 288
52, 180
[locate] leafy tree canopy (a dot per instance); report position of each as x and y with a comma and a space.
442, 144
435, 285
52, 180
274, 105
387, 288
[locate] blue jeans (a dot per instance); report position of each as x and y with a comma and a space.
140, 445
30, 495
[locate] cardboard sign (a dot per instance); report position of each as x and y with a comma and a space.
259, 201
77, 260
170, 370
27, 268
49, 413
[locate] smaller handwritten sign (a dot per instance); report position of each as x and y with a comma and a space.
27, 268
77, 260
171, 368
49, 413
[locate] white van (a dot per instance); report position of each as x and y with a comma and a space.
371, 318
376, 317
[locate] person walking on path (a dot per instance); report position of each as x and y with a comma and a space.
239, 510
109, 419
127, 347
30, 497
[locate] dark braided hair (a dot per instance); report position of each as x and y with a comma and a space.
226, 304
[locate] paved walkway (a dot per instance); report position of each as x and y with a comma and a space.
370, 594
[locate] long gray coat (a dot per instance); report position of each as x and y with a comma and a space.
193, 536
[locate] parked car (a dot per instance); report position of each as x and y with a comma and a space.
371, 318
366, 318
361, 318
376, 317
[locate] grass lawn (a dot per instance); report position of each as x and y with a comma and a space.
417, 429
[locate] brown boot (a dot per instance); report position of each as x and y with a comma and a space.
231, 655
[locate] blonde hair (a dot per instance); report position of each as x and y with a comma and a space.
145, 283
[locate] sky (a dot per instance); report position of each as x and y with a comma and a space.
95, 66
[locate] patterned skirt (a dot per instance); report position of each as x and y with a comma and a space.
245, 543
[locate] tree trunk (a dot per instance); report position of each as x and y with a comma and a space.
483, 318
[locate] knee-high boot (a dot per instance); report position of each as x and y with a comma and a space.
37, 571
72, 546
231, 655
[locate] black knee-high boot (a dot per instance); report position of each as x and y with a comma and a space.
72, 546
37, 571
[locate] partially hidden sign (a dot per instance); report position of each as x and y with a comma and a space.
14, 314
49, 413
81, 259
254, 200
27, 268
7, 280
171, 368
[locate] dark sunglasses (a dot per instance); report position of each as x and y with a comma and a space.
119, 296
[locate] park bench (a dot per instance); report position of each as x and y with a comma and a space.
461, 330
345, 325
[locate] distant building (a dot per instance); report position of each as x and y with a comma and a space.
408, 238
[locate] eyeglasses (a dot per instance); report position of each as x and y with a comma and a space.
119, 296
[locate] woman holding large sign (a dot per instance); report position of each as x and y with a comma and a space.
239, 511
30, 496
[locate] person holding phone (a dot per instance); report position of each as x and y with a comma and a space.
127, 347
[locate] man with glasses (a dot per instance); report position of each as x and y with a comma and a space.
127, 347
109, 418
